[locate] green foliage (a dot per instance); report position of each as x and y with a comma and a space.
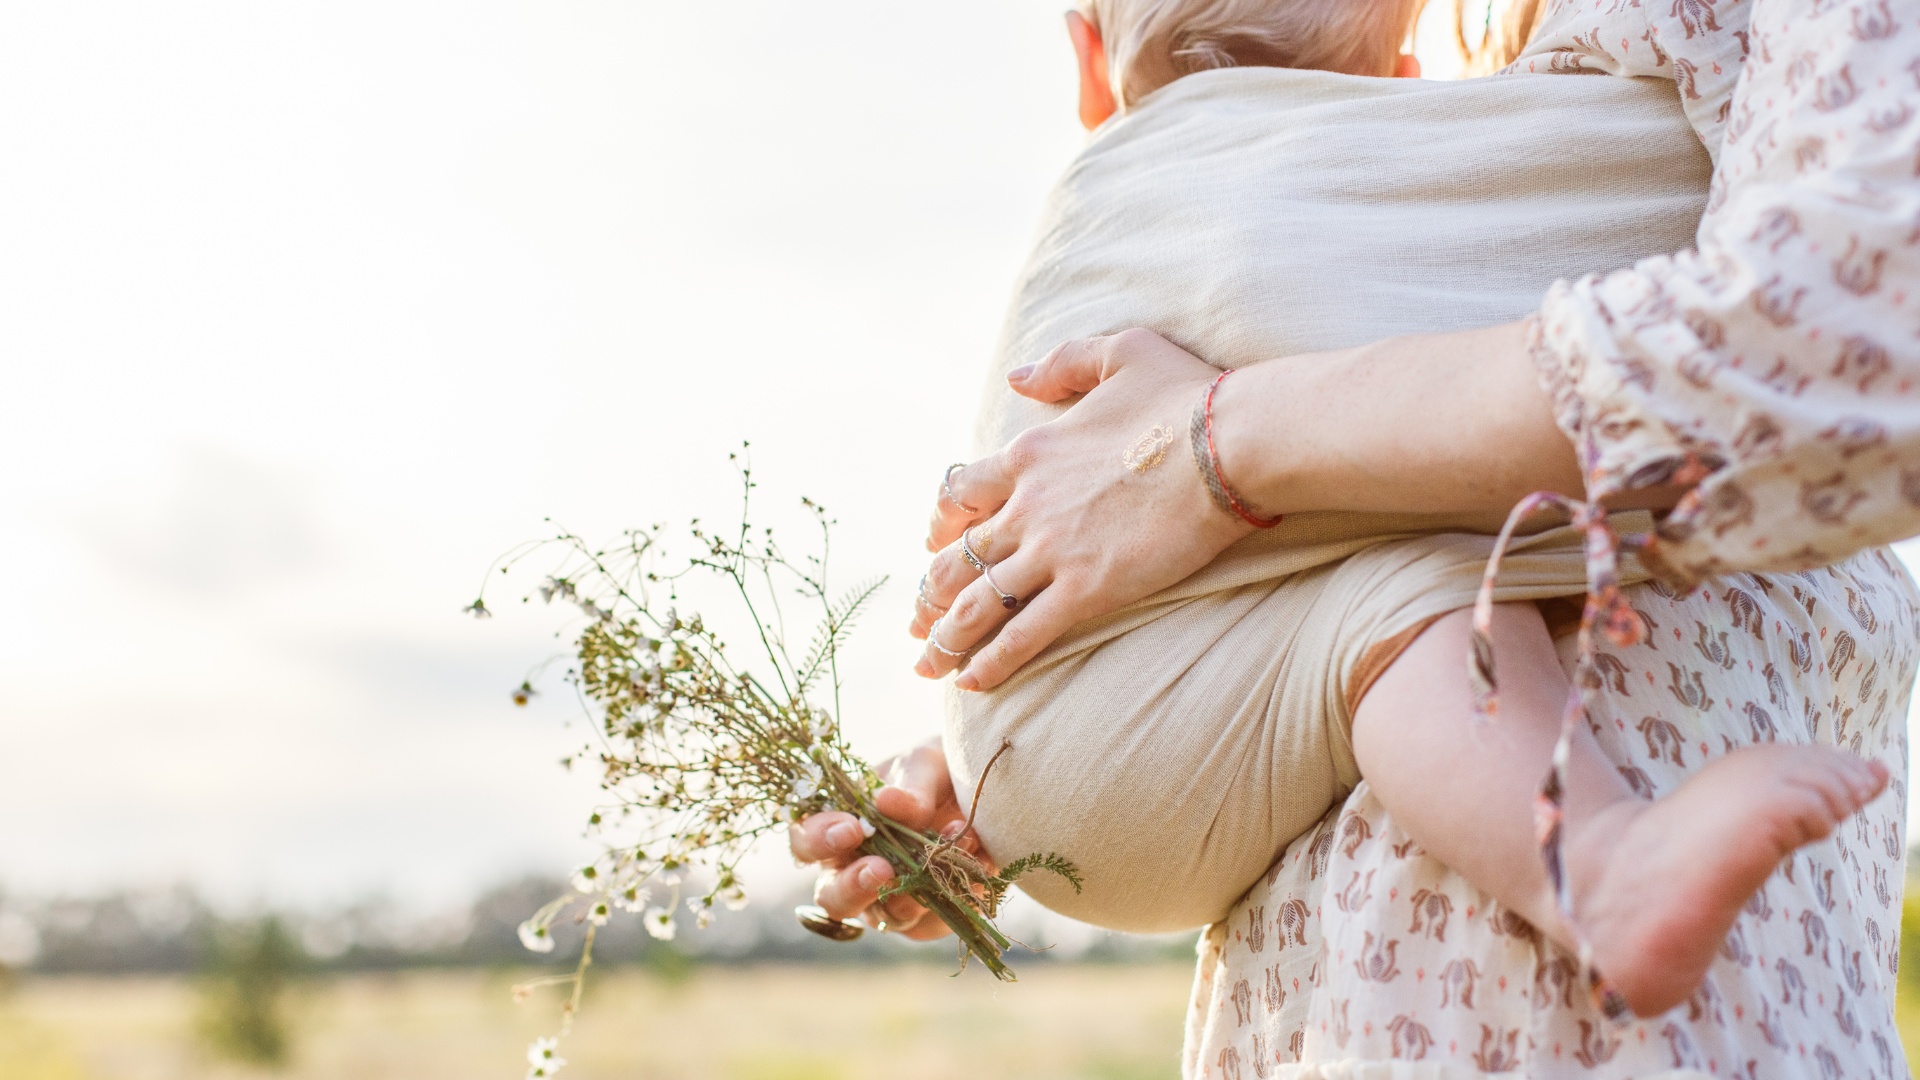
833, 633
1910, 946
243, 999
1050, 862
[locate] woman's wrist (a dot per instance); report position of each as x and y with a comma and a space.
1439, 423
1251, 424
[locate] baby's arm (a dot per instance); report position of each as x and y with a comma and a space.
1656, 885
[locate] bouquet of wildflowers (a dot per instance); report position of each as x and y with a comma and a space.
701, 755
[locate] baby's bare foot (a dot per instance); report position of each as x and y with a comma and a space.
1657, 885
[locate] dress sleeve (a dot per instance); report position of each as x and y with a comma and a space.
1777, 364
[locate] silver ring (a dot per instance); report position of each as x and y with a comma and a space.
966, 550
933, 639
931, 606
1007, 599
946, 484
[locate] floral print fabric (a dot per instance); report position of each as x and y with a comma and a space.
1776, 362
1780, 359
1359, 956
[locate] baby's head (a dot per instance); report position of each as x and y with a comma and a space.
1137, 46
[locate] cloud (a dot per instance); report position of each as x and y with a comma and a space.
221, 523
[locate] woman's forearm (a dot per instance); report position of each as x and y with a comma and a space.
1438, 423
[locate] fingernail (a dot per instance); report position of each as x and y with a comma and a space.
871, 879
844, 836
966, 682
923, 669
1020, 373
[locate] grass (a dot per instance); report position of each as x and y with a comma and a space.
771, 1023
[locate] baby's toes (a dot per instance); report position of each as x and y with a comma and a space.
1849, 780
1809, 812
1869, 779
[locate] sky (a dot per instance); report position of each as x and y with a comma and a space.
309, 310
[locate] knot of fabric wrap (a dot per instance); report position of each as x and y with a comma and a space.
1607, 610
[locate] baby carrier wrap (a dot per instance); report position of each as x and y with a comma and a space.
1173, 748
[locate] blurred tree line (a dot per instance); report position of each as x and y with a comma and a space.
176, 931
249, 971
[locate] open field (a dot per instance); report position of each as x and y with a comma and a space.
771, 1023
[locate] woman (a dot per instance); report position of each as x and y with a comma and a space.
1757, 387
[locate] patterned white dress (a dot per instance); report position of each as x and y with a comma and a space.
1775, 362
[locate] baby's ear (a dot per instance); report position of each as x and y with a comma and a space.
1096, 91
1406, 67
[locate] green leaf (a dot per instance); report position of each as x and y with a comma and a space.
1050, 862
827, 639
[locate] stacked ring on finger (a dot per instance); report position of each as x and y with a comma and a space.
922, 596
966, 550
946, 484
1007, 599
933, 639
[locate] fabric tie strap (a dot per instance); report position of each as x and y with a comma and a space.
1607, 609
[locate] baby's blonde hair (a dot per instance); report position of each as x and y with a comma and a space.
1150, 43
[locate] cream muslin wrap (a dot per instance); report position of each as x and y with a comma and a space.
1172, 749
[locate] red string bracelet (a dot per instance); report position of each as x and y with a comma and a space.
1223, 495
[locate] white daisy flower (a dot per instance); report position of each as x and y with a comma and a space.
805, 787
660, 923
536, 938
632, 899
587, 878
544, 1061
599, 913
734, 897
822, 724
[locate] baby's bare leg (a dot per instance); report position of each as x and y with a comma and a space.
1656, 885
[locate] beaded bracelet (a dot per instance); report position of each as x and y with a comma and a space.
1208, 461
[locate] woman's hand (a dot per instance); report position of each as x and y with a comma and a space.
1436, 423
919, 794
1077, 517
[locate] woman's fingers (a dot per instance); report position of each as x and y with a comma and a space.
854, 893
1051, 614
917, 789
951, 572
920, 793
978, 609
829, 838
977, 491
1084, 363
947, 575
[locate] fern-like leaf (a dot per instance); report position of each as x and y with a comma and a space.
1051, 862
827, 639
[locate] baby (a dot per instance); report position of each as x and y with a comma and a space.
1655, 884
